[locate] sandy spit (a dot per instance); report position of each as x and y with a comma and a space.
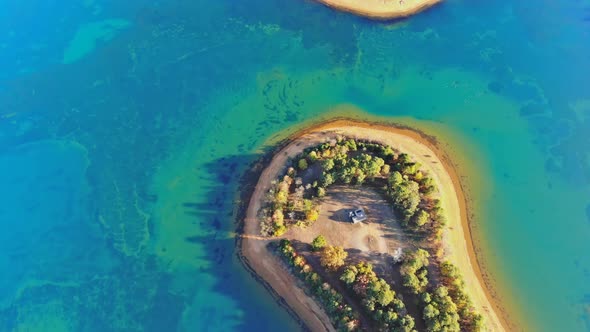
380, 9
270, 271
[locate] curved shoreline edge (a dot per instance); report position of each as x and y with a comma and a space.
252, 175
380, 9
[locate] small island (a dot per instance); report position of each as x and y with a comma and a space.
357, 226
381, 9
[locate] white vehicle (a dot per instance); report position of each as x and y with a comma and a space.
357, 216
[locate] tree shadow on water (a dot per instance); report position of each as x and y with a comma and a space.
219, 218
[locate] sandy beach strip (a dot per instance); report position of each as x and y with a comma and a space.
423, 149
380, 9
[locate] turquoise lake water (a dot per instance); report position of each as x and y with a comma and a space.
125, 127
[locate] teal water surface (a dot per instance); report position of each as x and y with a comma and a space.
125, 128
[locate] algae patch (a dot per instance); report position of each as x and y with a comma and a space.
88, 35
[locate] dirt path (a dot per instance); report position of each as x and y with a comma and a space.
457, 240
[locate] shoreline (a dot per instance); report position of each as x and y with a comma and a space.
380, 9
297, 303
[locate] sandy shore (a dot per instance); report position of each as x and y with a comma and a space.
458, 243
381, 9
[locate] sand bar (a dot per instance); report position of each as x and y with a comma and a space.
381, 9
423, 149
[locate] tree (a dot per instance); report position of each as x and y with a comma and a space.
333, 257
313, 156
302, 164
349, 274
396, 178
278, 217
318, 243
404, 194
414, 272
327, 179
420, 218
312, 215
328, 164
403, 158
380, 292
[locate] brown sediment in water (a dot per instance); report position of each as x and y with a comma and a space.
381, 9
268, 269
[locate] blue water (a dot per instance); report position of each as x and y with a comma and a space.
125, 127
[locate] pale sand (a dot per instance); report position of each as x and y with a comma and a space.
457, 238
381, 9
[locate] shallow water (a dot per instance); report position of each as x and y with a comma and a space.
124, 129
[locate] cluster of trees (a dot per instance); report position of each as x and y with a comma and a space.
378, 298
346, 169
341, 314
470, 319
405, 196
447, 307
289, 202
420, 211
349, 161
440, 312
414, 270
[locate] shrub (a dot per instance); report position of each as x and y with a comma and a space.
280, 230
318, 243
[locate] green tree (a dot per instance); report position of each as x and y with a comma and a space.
420, 219
380, 292
349, 274
332, 257
327, 179
318, 243
328, 164
313, 156
395, 178
414, 272
302, 164
404, 194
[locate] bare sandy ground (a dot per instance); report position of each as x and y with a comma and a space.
381, 9
457, 239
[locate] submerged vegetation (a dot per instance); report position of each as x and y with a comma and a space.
294, 200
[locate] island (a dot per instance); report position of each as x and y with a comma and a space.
360, 226
381, 9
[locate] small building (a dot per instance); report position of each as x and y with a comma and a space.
357, 216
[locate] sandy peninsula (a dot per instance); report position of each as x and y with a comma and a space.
381, 9
457, 241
